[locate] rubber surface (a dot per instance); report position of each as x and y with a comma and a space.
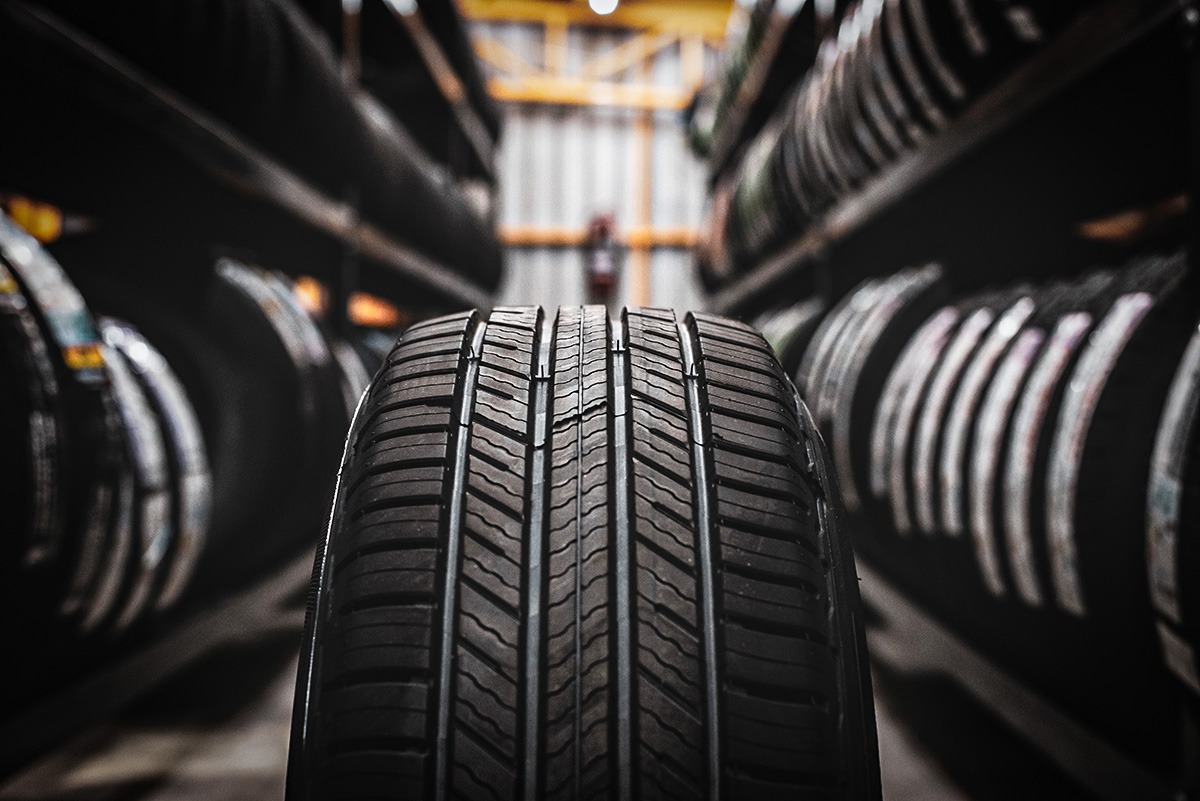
582, 557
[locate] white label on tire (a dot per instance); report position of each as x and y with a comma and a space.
1066, 454
934, 410
962, 411
985, 458
1023, 445
1179, 656
1164, 495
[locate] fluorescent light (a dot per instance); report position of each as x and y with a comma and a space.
603, 6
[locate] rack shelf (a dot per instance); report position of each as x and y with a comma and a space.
733, 132
451, 86
219, 152
1080, 49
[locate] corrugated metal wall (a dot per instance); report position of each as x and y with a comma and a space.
561, 165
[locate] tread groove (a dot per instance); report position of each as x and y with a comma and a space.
454, 527
621, 461
703, 500
535, 543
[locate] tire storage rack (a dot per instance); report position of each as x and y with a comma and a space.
176, 458
966, 230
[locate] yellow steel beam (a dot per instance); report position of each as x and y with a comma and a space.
703, 17
628, 54
554, 46
692, 59
577, 92
500, 56
638, 238
640, 282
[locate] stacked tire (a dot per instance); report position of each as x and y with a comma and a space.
1001, 445
896, 73
152, 465
1173, 521
109, 495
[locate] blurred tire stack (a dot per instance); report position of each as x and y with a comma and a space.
226, 227
966, 231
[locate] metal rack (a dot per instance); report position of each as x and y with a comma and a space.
1071, 57
439, 66
222, 155
733, 132
241, 179
953, 200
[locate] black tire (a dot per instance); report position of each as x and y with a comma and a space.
187, 460
261, 67
789, 330
151, 525
514, 599
269, 407
1173, 521
59, 548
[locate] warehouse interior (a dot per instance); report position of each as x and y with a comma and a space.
599, 398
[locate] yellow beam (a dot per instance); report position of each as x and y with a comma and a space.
704, 17
502, 57
692, 59
628, 54
640, 291
555, 46
637, 238
577, 92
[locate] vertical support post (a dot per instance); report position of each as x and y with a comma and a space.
554, 46
692, 58
641, 248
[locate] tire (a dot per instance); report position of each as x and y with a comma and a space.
513, 598
76, 455
789, 330
187, 460
1172, 521
260, 67
985, 500
914, 295
151, 527
269, 406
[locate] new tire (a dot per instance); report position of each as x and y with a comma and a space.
581, 558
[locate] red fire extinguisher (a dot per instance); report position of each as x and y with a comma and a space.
601, 264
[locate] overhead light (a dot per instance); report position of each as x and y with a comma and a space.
603, 6
402, 7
